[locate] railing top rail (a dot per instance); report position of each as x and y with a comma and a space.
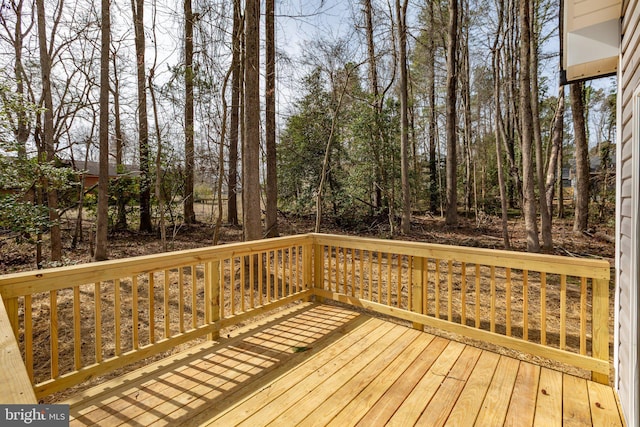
554, 264
17, 284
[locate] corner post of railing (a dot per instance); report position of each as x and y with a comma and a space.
417, 285
600, 326
212, 297
318, 268
16, 384
11, 306
307, 264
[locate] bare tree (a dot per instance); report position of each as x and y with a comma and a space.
48, 134
236, 79
102, 216
576, 93
189, 156
499, 127
251, 210
271, 217
545, 218
526, 132
401, 15
554, 168
137, 8
16, 36
451, 216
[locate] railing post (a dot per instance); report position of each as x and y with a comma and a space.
212, 297
600, 326
318, 268
307, 265
417, 286
11, 305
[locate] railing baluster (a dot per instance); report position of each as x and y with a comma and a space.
344, 270
525, 305
389, 268
279, 268
207, 293
493, 298
77, 325
425, 285
167, 320
181, 298
270, 280
98, 321
291, 275
338, 271
477, 307
252, 279
543, 308
450, 290
261, 262
379, 277
583, 315
399, 283
53, 332
410, 283
361, 271
194, 296
353, 272
463, 293
134, 311
437, 289
116, 316
28, 335
152, 308
370, 271
508, 301
563, 311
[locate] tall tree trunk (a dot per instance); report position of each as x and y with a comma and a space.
581, 218
236, 78
545, 218
102, 216
189, 157
271, 217
158, 163
451, 216
49, 143
377, 103
401, 12
121, 213
466, 97
137, 7
499, 129
21, 129
526, 132
553, 167
251, 210
431, 95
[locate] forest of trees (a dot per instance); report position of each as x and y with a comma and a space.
447, 107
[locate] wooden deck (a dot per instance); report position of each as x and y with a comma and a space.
326, 365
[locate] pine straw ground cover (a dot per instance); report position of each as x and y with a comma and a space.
485, 233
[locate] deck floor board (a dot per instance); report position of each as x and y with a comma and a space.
318, 365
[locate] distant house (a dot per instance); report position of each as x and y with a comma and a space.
600, 38
90, 171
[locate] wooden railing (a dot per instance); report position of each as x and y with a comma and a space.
154, 303
550, 306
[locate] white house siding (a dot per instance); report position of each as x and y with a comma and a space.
627, 211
